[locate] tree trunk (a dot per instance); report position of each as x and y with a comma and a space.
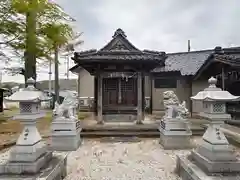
56, 86
30, 53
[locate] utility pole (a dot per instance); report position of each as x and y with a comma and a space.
189, 46
190, 84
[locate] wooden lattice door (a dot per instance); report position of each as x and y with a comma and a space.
129, 92
110, 91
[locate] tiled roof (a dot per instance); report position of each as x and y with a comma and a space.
233, 60
120, 55
119, 48
187, 63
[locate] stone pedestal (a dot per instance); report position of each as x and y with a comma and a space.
214, 158
214, 153
65, 135
187, 169
175, 134
54, 168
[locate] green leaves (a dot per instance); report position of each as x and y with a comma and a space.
52, 26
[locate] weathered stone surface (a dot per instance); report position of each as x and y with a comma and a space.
66, 127
188, 170
174, 129
55, 169
65, 135
66, 143
216, 166
176, 141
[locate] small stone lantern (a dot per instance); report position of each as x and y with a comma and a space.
214, 102
214, 155
30, 152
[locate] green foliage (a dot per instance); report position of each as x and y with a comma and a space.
52, 27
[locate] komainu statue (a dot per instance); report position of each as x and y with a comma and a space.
173, 107
68, 108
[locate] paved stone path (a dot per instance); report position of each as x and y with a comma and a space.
146, 159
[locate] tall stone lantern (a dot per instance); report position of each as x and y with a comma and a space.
30, 155
214, 155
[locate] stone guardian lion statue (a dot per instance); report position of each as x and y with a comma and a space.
68, 108
173, 108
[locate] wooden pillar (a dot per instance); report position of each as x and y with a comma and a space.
95, 95
190, 95
151, 93
140, 99
78, 90
223, 79
99, 99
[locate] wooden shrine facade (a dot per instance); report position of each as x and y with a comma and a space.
118, 69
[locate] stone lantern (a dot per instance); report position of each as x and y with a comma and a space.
213, 154
30, 154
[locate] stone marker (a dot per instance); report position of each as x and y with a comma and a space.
66, 127
175, 132
214, 158
29, 158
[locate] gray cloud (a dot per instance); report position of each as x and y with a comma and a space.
164, 25
157, 24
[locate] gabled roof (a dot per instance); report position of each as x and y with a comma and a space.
119, 43
119, 48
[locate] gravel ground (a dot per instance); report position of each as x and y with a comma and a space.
146, 160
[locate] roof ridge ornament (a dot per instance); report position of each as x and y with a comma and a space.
30, 84
119, 31
212, 82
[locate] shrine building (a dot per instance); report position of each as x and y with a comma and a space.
124, 80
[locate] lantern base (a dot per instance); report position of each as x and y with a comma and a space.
9, 167
186, 168
27, 153
210, 166
53, 169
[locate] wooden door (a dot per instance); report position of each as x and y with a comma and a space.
129, 92
110, 91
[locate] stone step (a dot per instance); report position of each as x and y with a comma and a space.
120, 133
131, 132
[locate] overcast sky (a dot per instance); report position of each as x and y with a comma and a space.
162, 25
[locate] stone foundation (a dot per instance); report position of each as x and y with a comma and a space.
55, 169
175, 141
188, 170
65, 135
175, 134
65, 143
215, 166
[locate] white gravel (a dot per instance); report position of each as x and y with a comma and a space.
145, 160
